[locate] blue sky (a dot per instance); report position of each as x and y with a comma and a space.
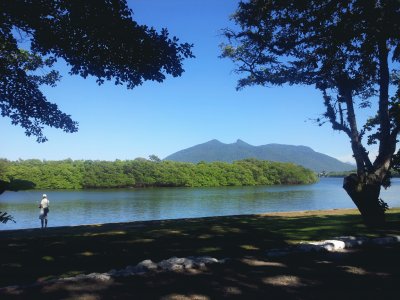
162, 118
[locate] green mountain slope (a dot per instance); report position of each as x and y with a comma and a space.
214, 150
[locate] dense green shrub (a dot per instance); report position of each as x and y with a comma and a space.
69, 174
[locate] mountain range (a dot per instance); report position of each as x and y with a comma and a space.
215, 150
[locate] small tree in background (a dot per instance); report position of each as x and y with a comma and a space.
350, 51
154, 158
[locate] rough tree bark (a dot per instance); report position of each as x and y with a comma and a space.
364, 187
364, 191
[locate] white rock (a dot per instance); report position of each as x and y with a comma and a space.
205, 260
146, 265
94, 276
396, 238
176, 267
174, 264
99, 276
352, 241
336, 245
176, 260
188, 264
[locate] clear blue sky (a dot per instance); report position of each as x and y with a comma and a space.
162, 118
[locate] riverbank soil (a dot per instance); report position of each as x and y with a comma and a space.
30, 259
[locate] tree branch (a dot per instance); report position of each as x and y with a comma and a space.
360, 155
387, 140
331, 115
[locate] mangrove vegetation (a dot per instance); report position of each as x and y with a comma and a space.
88, 174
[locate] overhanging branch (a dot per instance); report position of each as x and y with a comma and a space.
331, 115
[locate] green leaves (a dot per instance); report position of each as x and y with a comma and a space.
69, 174
312, 43
5, 217
95, 38
342, 48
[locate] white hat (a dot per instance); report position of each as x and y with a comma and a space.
44, 196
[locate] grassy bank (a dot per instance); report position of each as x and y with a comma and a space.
34, 255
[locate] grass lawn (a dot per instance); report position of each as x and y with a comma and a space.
35, 255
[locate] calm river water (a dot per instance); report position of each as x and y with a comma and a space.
106, 206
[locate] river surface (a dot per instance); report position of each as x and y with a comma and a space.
124, 205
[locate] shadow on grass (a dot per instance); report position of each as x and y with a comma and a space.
366, 274
36, 255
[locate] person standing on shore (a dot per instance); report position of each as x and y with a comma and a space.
44, 210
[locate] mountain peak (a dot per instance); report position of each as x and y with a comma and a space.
214, 150
213, 142
241, 143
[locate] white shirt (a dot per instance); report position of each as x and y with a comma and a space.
45, 203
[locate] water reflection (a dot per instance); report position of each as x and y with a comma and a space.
103, 206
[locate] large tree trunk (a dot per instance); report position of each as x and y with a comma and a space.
364, 191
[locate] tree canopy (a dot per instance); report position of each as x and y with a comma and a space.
350, 51
95, 38
70, 174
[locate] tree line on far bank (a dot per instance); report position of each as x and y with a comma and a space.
87, 174
393, 173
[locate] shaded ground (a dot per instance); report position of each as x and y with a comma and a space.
29, 256
365, 274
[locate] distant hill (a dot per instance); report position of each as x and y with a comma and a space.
214, 150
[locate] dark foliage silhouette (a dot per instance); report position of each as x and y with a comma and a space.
350, 51
95, 37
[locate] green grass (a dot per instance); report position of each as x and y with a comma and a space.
34, 255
